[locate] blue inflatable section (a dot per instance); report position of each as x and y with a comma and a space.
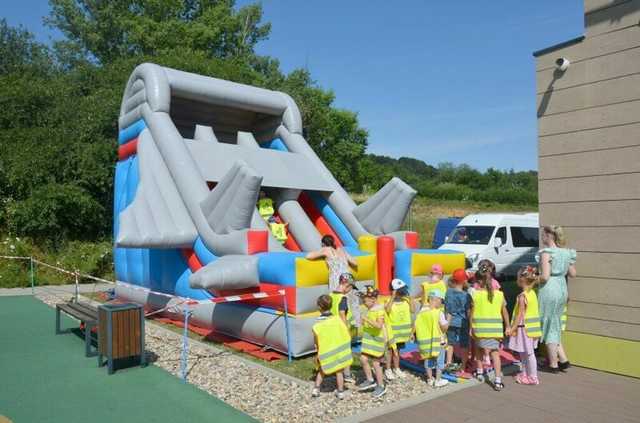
131, 131
119, 204
278, 268
202, 252
333, 220
274, 144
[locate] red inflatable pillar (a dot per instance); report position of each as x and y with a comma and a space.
385, 246
412, 240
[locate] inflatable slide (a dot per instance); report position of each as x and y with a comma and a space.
194, 154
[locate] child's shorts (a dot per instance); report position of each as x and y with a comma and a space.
436, 362
488, 343
458, 336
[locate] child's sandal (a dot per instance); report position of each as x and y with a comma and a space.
498, 386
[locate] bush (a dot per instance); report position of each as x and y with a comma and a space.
57, 211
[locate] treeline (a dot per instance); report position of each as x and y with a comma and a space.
59, 108
450, 182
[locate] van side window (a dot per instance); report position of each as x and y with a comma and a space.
502, 233
524, 237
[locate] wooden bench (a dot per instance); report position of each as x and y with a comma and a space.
86, 314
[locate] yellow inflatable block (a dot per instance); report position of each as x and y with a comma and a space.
368, 243
315, 272
421, 263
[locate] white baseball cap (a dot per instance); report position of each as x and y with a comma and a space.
397, 284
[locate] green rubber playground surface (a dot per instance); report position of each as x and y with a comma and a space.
46, 378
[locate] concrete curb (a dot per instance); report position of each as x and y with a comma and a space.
390, 408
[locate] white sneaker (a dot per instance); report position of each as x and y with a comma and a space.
315, 393
440, 383
431, 382
389, 374
339, 394
399, 373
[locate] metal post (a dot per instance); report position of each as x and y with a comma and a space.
32, 276
77, 287
286, 325
184, 356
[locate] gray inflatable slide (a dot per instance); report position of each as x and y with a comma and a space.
194, 154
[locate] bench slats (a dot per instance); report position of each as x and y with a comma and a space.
77, 313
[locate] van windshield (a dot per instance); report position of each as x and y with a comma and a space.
477, 235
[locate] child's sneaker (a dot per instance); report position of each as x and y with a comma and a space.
440, 383
340, 394
379, 391
366, 385
431, 382
479, 376
533, 380
388, 374
399, 373
522, 379
315, 392
349, 379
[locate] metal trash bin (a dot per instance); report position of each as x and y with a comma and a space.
120, 333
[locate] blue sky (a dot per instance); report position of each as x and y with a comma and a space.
439, 81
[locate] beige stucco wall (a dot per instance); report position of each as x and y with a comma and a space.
589, 165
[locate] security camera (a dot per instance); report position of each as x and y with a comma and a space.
562, 64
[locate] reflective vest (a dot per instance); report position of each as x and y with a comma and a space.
400, 321
336, 297
428, 286
373, 339
265, 207
531, 315
279, 231
334, 344
486, 320
428, 332
563, 319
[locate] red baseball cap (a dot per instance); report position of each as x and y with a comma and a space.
460, 276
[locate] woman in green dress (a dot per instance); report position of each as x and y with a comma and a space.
556, 265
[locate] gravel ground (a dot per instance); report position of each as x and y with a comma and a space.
258, 391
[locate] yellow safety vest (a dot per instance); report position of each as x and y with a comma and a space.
486, 320
336, 297
429, 286
373, 339
279, 231
428, 332
531, 315
265, 207
334, 344
400, 321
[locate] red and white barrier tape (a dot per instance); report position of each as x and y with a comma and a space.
15, 257
59, 269
242, 297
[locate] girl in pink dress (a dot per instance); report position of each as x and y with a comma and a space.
525, 329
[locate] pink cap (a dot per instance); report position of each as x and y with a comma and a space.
437, 268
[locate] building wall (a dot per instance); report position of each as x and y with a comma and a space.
589, 170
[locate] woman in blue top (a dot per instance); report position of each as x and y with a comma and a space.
556, 264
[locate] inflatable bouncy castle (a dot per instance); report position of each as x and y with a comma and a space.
194, 154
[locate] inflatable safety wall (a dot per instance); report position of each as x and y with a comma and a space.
194, 154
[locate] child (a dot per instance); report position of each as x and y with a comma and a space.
265, 207
492, 269
399, 309
525, 326
457, 304
333, 344
340, 308
488, 312
430, 327
435, 282
374, 341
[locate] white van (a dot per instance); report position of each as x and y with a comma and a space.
509, 240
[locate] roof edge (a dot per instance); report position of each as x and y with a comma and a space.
558, 46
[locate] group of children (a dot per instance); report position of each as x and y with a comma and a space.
467, 319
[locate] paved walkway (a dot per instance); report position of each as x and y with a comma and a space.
47, 378
580, 396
